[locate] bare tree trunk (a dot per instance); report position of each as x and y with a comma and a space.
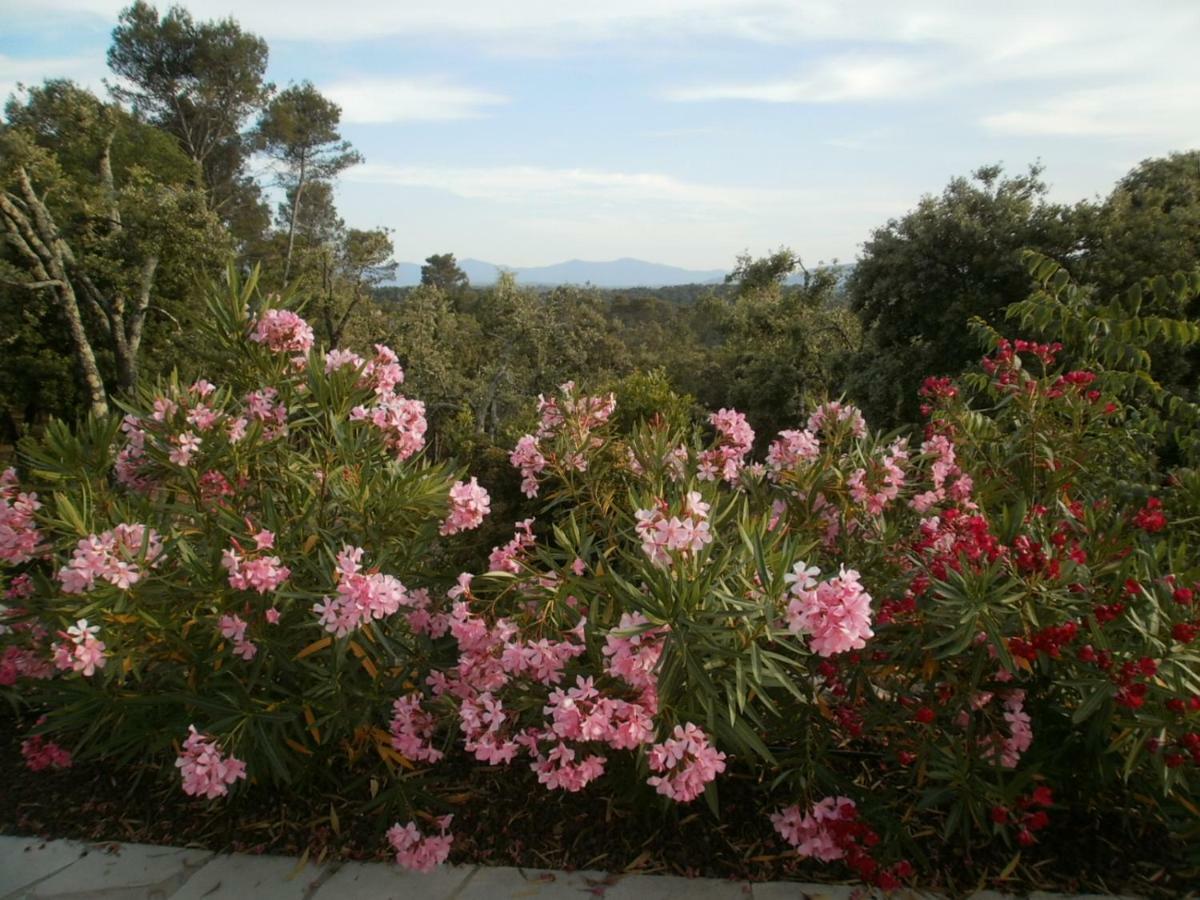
135, 325
287, 264
32, 233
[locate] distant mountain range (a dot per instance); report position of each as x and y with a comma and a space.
616, 273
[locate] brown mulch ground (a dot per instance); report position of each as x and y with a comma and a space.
503, 817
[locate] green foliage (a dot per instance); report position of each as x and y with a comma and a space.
442, 272
921, 277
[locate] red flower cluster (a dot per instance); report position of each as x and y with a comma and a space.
1150, 518
1025, 814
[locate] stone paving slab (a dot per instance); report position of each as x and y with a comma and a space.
380, 881
672, 887
31, 869
260, 877
24, 861
799, 890
133, 872
503, 882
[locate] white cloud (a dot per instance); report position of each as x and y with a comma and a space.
539, 184
1015, 28
838, 80
86, 71
1168, 112
378, 100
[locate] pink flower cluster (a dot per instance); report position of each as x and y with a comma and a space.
283, 331
791, 450
469, 503
115, 556
829, 416
816, 834
584, 413
735, 438
573, 416
581, 713
566, 769
234, 629
19, 537
360, 597
688, 762
1020, 731
40, 754
661, 534
131, 460
206, 771
633, 649
260, 572
835, 613
412, 730
401, 420
418, 852
22, 662
81, 651
509, 557
889, 480
383, 373
183, 448
263, 406
529, 459
943, 468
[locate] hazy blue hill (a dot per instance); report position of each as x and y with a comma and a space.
617, 273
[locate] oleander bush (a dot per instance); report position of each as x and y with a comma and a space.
950, 636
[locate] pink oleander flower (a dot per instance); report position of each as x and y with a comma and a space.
114, 556
1020, 732
815, 834
469, 503
836, 613
337, 359
417, 852
272, 616
529, 459
633, 650
360, 597
401, 421
40, 754
383, 373
237, 429
735, 438
826, 416
688, 762
20, 540
163, 409
20, 587
21, 662
131, 460
259, 573
203, 417
202, 388
206, 771
509, 557
82, 652
184, 447
412, 730
560, 770
662, 534
234, 629
283, 331
791, 449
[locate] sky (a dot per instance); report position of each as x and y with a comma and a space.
527, 132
